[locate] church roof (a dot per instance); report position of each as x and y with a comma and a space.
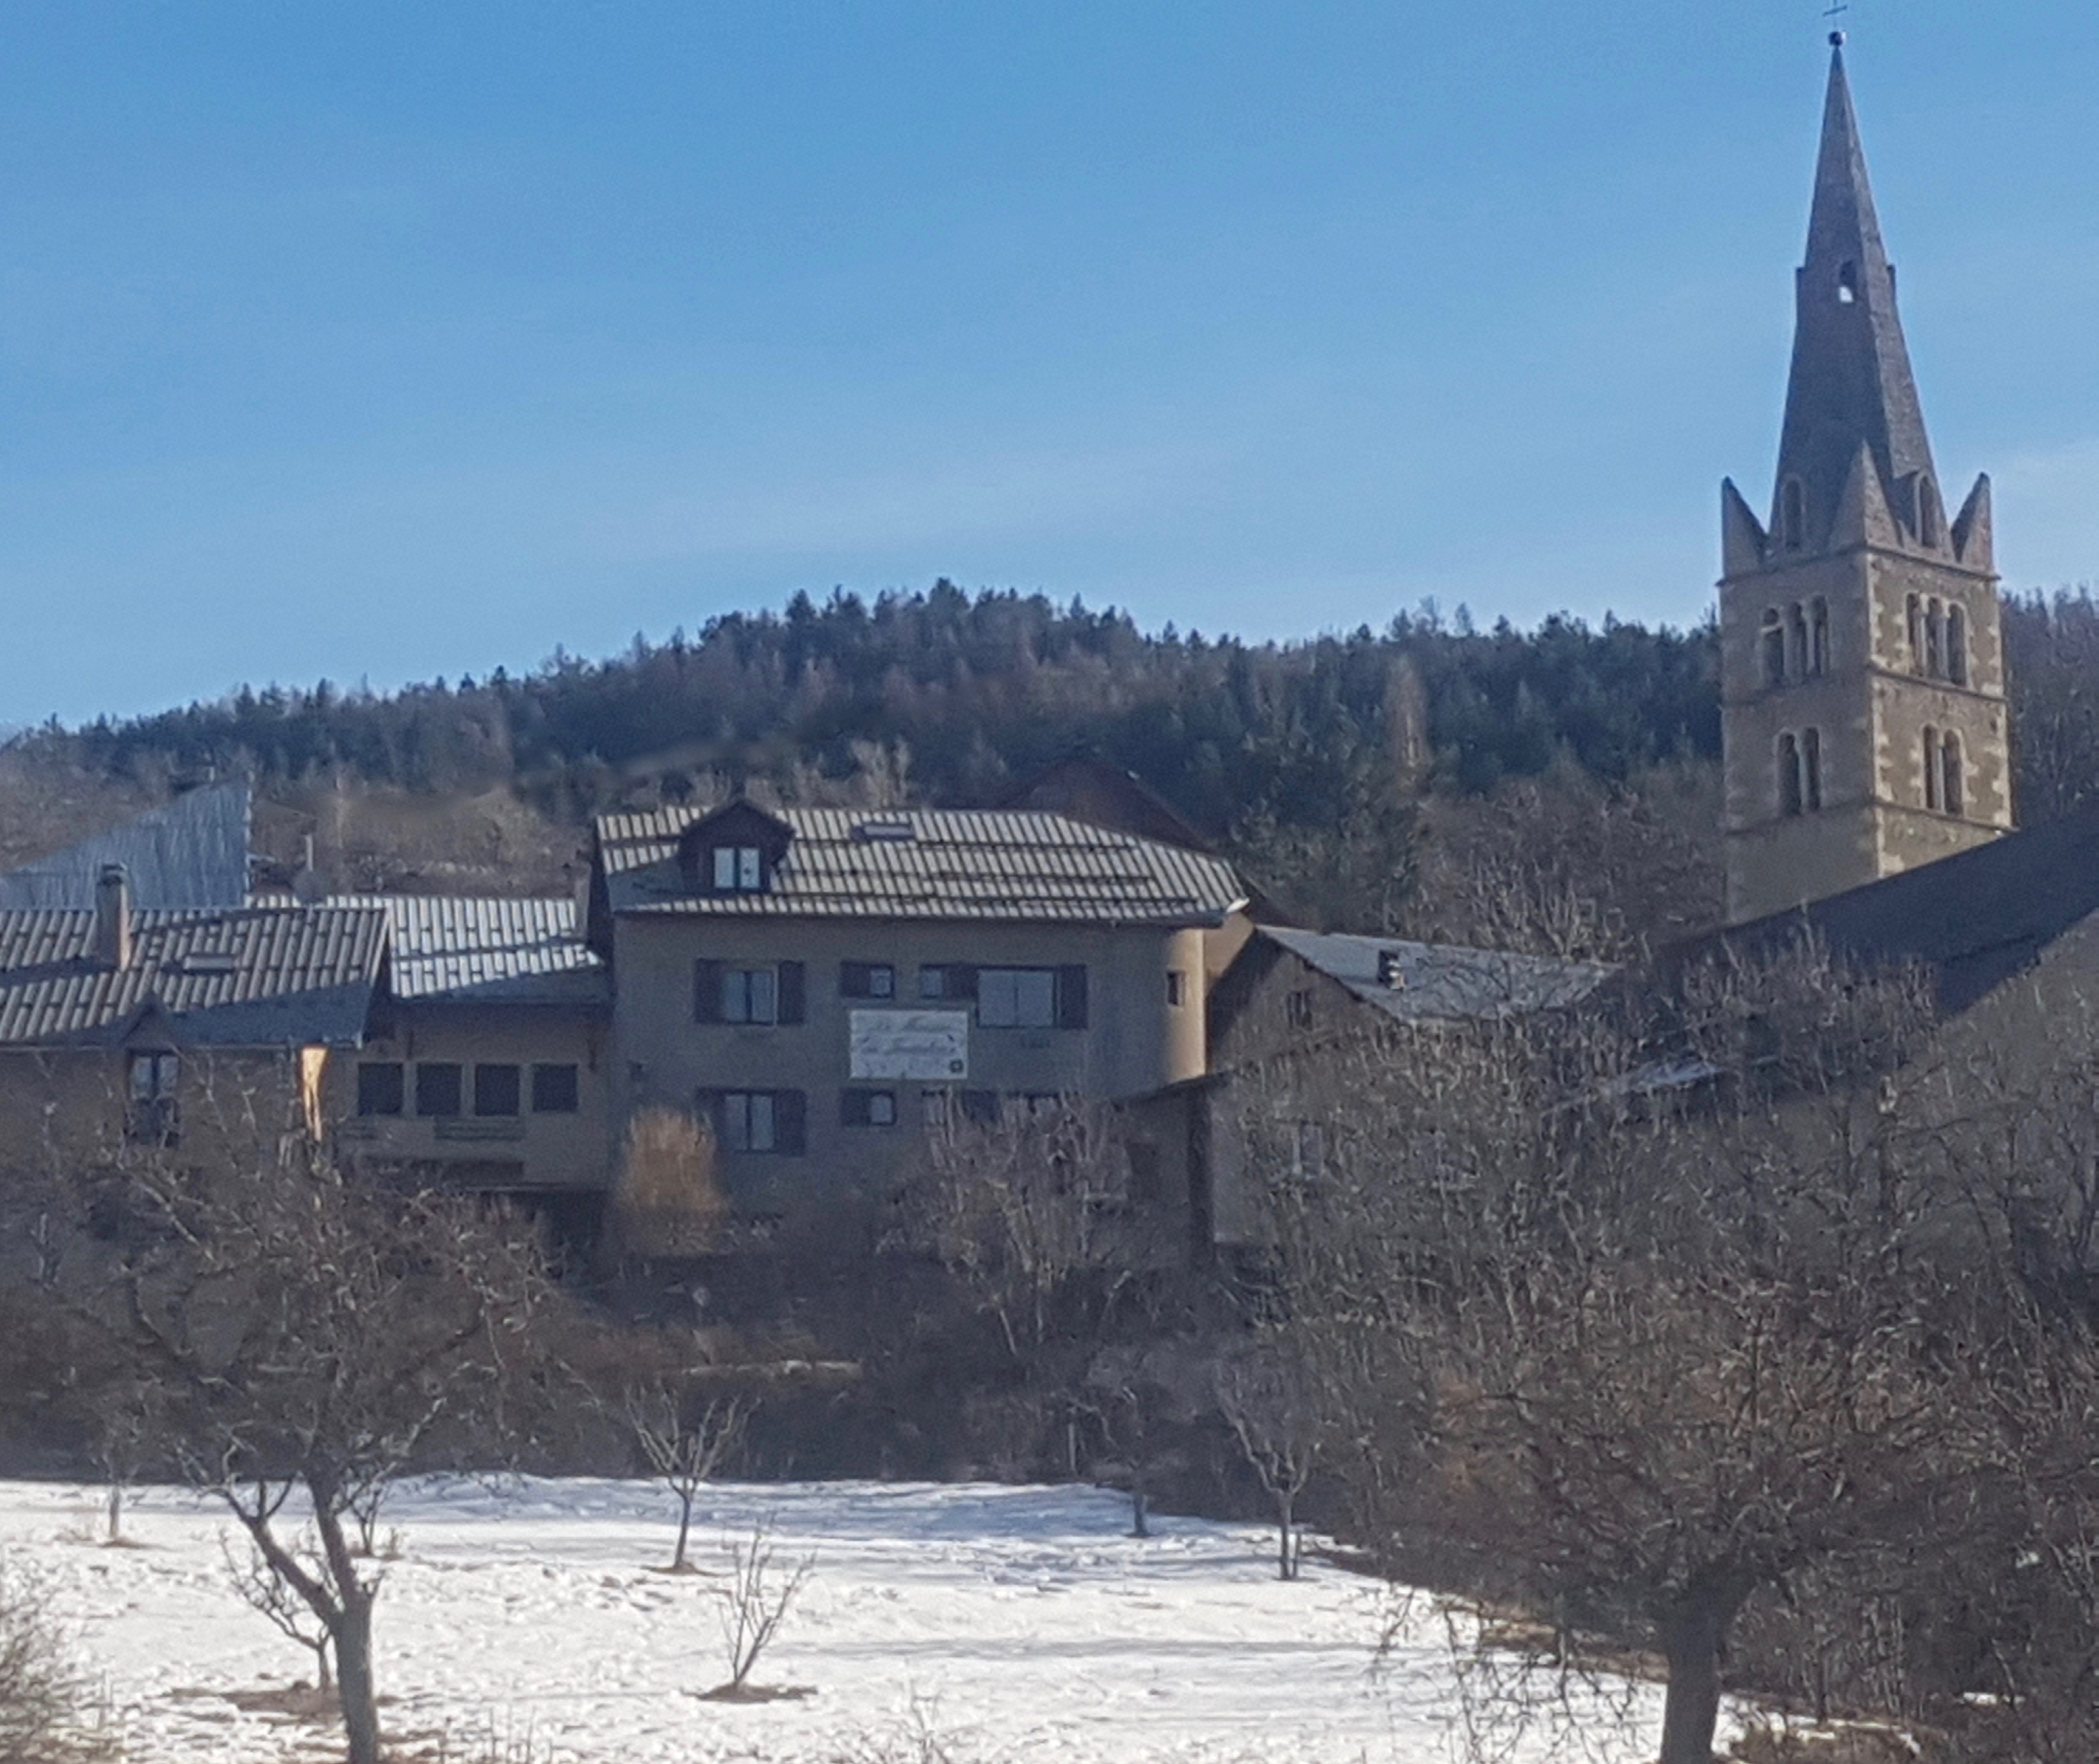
1851, 382
1972, 921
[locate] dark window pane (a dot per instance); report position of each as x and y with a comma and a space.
496, 1089
437, 1089
381, 1089
554, 1090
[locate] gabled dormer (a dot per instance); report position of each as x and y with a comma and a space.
734, 851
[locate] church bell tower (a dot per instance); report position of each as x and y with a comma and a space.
1862, 662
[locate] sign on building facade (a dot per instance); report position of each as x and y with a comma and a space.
931, 1045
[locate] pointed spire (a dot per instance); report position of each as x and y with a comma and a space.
1851, 381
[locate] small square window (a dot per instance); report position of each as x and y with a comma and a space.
1176, 987
554, 1090
933, 1108
381, 1089
867, 1108
496, 1089
933, 982
980, 1106
867, 980
438, 1089
1298, 1006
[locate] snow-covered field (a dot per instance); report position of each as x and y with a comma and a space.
1002, 1623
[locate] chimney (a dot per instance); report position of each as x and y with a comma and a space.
309, 887
113, 917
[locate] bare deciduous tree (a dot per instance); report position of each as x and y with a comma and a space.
1656, 1296
306, 1331
761, 1589
1268, 1395
683, 1441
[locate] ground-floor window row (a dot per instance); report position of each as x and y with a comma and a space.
442, 1088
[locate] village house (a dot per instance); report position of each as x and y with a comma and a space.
211, 1030
822, 984
484, 1065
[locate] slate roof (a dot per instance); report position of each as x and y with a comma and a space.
191, 853
462, 949
931, 864
1972, 921
1441, 982
250, 978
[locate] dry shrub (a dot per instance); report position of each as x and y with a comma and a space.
667, 1198
42, 1697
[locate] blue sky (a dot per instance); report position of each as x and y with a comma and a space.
390, 341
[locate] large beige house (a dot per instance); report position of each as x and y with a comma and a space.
821, 984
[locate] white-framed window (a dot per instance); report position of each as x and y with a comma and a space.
738, 868
1017, 998
152, 1081
750, 994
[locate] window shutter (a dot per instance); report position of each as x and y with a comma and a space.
706, 991
1071, 997
791, 991
790, 1122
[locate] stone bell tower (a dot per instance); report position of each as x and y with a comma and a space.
1862, 658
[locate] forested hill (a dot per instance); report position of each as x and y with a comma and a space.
1338, 766
984, 690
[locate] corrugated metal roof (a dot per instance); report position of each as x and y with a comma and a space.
1441, 982
191, 854
255, 977
466, 950
935, 864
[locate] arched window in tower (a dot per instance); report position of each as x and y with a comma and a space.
1790, 796
1773, 643
1818, 636
1953, 790
1792, 515
1934, 640
1916, 634
1797, 618
1957, 645
1931, 771
1930, 518
1847, 283
1810, 767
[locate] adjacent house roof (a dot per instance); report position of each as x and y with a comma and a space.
926, 864
1971, 921
193, 853
250, 978
1422, 982
458, 949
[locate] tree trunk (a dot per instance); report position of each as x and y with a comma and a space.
1139, 1526
116, 1510
1287, 1558
1693, 1631
355, 1688
685, 1528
